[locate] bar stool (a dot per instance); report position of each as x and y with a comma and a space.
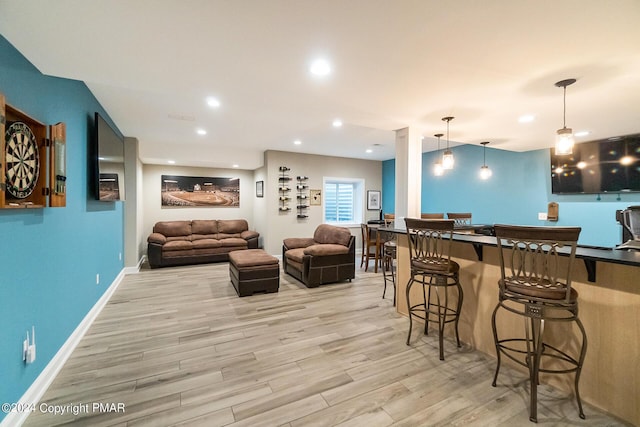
536, 284
431, 266
370, 248
389, 251
461, 218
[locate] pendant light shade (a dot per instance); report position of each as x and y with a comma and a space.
447, 157
485, 172
564, 136
438, 170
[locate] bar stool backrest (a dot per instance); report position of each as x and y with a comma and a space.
461, 218
429, 244
432, 215
532, 262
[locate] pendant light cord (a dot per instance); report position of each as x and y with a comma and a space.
448, 133
564, 109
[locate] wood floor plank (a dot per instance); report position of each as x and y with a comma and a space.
177, 346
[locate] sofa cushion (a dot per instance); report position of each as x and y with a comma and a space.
173, 228
204, 226
232, 226
177, 245
206, 243
326, 233
295, 255
298, 242
179, 239
195, 237
326, 249
233, 242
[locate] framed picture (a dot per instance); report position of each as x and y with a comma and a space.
373, 200
315, 197
189, 191
259, 188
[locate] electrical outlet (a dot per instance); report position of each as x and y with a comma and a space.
29, 347
31, 354
542, 216
97, 279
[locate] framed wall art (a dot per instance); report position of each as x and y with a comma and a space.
315, 197
259, 188
373, 200
190, 191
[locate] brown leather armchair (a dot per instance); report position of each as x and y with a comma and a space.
328, 257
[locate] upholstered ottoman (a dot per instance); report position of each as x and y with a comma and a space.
252, 271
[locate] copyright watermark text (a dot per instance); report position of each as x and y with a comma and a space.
62, 409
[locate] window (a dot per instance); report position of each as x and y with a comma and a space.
343, 200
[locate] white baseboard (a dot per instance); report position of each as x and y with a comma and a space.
37, 389
136, 269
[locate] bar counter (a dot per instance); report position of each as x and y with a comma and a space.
608, 283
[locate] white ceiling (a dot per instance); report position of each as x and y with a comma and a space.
395, 63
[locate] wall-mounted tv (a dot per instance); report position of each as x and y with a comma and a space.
609, 165
109, 162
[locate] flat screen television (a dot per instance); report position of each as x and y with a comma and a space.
609, 165
109, 163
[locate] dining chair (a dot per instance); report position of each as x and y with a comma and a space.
370, 247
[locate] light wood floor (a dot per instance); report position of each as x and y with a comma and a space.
176, 346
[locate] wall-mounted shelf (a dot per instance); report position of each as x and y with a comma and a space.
302, 196
284, 189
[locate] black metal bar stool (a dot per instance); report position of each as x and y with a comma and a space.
431, 266
389, 251
536, 284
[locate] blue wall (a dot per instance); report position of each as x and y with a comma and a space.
519, 188
50, 257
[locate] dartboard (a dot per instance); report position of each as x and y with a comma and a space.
22, 160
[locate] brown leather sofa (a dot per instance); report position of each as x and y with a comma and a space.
198, 241
326, 258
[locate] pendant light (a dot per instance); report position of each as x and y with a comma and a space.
485, 172
447, 157
438, 170
564, 136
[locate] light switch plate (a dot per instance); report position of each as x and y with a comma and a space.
542, 216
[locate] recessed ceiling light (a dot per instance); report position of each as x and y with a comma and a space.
171, 162
581, 133
297, 142
320, 67
369, 150
201, 131
626, 160
236, 166
213, 102
527, 118
337, 123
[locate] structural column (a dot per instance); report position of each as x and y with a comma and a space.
408, 173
